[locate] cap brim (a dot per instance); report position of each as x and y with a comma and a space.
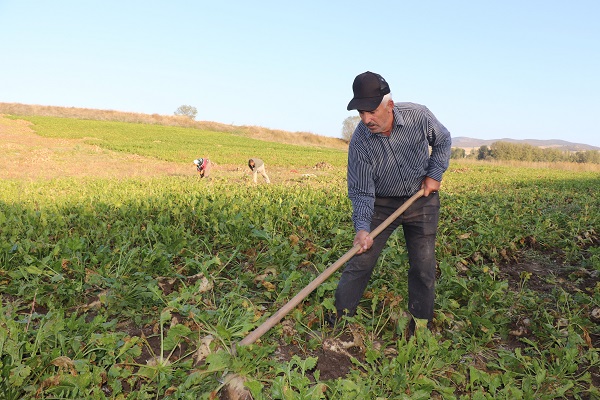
365, 104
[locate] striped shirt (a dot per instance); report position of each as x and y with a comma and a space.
395, 166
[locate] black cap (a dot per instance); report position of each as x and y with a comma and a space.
369, 89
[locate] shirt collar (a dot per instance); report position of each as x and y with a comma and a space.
398, 120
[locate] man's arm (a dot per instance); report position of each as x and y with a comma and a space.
361, 189
441, 143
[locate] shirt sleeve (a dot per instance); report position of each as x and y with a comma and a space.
441, 143
361, 188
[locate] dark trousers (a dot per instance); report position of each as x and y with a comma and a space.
419, 223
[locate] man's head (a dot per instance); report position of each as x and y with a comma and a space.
369, 89
381, 119
373, 100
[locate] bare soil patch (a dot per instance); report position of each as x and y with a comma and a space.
28, 155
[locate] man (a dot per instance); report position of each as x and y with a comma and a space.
388, 162
257, 166
203, 166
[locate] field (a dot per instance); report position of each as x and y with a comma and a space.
123, 275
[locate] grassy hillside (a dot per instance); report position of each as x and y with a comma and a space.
255, 132
178, 144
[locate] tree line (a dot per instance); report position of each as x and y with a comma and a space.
525, 152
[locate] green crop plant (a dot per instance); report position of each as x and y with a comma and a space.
98, 276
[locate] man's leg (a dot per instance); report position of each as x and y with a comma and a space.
420, 224
359, 269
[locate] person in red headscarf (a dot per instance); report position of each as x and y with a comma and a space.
203, 166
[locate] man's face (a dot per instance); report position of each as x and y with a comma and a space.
380, 119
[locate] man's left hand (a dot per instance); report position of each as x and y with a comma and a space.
430, 185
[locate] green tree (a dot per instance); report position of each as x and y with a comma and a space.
187, 111
504, 151
348, 127
484, 153
525, 152
590, 156
457, 152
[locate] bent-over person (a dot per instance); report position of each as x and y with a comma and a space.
257, 166
203, 166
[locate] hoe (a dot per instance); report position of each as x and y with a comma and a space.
234, 384
289, 306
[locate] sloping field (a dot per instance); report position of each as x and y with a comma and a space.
52, 147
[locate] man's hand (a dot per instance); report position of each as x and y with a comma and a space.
365, 241
430, 185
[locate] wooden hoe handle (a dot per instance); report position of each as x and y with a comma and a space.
289, 306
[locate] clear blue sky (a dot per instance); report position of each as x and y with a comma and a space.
487, 69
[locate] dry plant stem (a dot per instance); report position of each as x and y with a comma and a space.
283, 311
31, 312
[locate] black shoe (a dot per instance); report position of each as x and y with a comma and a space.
409, 331
331, 319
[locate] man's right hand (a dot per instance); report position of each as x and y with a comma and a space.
365, 241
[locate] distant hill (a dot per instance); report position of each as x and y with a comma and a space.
470, 143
